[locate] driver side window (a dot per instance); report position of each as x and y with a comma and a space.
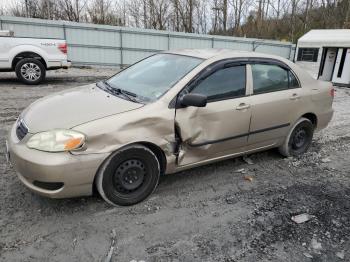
223, 84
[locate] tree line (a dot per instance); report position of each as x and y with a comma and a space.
271, 19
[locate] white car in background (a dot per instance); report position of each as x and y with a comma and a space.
31, 57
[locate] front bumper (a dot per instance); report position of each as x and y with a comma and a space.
75, 173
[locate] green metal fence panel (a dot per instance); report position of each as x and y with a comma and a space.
92, 44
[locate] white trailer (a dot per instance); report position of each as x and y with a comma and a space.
325, 54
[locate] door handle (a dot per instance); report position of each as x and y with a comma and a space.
242, 106
294, 97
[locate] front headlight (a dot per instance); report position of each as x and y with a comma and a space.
57, 140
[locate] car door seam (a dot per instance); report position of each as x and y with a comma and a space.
250, 123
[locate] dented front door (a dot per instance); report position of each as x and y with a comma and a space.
221, 127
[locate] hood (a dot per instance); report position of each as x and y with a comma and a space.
73, 107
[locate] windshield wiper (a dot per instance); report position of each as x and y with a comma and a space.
129, 94
126, 94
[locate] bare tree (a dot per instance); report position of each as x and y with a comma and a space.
103, 12
216, 16
72, 10
276, 19
159, 13
294, 4
237, 6
347, 16
135, 12
201, 12
176, 14
224, 15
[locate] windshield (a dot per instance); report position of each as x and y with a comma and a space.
152, 77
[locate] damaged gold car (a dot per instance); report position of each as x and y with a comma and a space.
167, 113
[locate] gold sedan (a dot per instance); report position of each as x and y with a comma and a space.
169, 112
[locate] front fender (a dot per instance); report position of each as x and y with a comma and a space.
152, 124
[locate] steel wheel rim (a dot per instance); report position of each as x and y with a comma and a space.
299, 138
30, 71
129, 176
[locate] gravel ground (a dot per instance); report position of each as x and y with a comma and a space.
210, 213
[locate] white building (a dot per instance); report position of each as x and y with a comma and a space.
325, 54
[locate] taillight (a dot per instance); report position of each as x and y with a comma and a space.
63, 48
332, 92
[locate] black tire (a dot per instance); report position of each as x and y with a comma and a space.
128, 176
299, 138
30, 71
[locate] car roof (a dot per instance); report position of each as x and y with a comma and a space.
222, 53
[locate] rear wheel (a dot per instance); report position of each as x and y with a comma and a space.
128, 176
299, 138
30, 71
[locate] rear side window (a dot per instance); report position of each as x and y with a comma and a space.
223, 84
308, 54
269, 78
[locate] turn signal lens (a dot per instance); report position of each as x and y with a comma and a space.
332, 92
73, 143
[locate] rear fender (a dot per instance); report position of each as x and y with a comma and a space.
27, 48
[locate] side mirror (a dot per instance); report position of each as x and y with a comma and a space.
196, 100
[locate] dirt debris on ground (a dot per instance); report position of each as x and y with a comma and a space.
206, 214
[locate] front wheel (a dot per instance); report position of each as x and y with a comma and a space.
128, 176
299, 138
30, 71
